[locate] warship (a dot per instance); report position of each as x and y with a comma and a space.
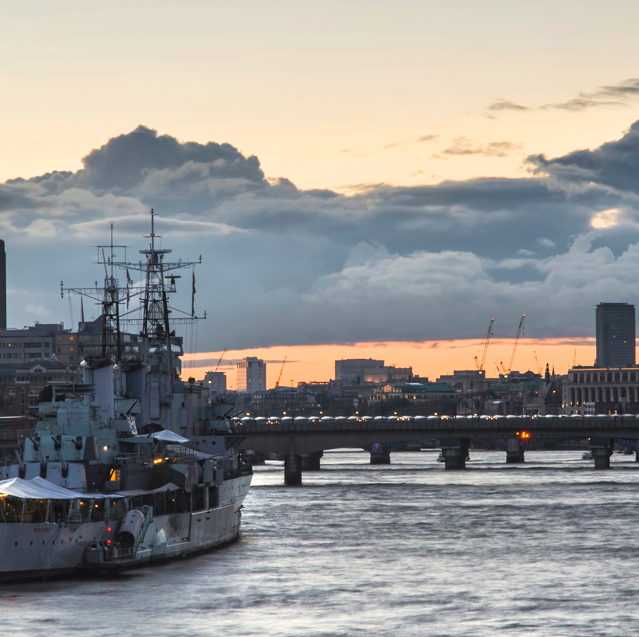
131, 465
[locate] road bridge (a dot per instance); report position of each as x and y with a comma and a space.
294, 439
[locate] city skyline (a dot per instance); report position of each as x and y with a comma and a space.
317, 363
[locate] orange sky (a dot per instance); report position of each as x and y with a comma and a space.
430, 358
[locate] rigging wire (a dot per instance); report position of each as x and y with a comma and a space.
71, 311
197, 325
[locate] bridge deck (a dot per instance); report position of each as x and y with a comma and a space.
305, 437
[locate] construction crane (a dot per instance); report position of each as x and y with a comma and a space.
279, 378
503, 367
537, 363
489, 334
521, 326
221, 357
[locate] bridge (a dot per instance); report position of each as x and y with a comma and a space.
303, 441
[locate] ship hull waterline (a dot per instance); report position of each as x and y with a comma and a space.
26, 548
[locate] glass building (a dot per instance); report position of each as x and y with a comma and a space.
615, 335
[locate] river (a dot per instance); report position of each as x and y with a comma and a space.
546, 548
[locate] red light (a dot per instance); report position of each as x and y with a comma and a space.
108, 528
108, 541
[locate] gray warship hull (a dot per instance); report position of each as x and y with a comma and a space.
31, 551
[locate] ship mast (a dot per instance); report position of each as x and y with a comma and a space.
109, 298
157, 336
156, 329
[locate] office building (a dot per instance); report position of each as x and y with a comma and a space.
388, 374
251, 375
216, 382
615, 335
352, 370
36, 341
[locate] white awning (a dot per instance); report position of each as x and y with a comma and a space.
169, 486
168, 436
41, 489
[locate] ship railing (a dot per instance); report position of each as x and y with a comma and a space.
112, 486
120, 556
15, 434
133, 458
180, 454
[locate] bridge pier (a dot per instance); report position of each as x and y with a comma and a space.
514, 453
311, 461
454, 451
601, 449
379, 456
292, 470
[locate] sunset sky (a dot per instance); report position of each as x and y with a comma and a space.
361, 178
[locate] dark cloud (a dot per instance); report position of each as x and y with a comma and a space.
614, 164
282, 265
427, 138
125, 160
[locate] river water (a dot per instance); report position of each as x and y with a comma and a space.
546, 548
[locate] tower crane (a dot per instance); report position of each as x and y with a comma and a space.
221, 357
537, 363
486, 342
519, 329
279, 378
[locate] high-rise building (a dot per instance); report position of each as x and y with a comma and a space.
352, 370
251, 375
615, 335
216, 382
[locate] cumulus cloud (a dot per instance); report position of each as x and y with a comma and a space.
283, 265
614, 164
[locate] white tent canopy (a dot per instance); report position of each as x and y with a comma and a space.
169, 436
41, 489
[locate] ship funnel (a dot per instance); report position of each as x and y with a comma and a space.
98, 370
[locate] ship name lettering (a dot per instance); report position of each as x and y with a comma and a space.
41, 530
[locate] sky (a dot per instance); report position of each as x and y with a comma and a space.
356, 176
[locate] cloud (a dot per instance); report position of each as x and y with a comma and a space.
124, 160
614, 164
582, 103
621, 95
463, 146
423, 138
613, 95
506, 105
283, 265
